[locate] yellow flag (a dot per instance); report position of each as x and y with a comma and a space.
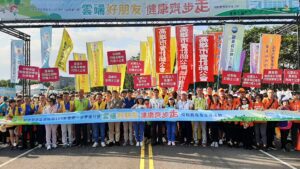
66, 46
95, 58
82, 81
173, 53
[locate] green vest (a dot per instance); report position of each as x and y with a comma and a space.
81, 105
199, 103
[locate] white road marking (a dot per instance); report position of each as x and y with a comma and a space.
282, 162
11, 160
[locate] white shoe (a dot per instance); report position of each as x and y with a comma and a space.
131, 143
141, 144
39, 146
14, 144
54, 146
173, 143
103, 144
137, 144
125, 144
212, 144
48, 147
221, 142
95, 145
169, 143
216, 145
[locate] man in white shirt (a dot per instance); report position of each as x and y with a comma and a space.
156, 126
186, 126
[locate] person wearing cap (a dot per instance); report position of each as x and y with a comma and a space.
231, 128
222, 125
128, 102
12, 112
99, 104
260, 127
295, 106
214, 126
284, 126
186, 126
40, 132
200, 103
139, 126
270, 103
156, 126
27, 109
171, 125
114, 127
66, 129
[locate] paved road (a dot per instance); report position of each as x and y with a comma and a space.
148, 157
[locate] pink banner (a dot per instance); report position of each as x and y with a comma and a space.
141, 82
167, 80
116, 57
233, 78
28, 72
78, 67
135, 67
49, 74
251, 80
272, 76
291, 76
112, 79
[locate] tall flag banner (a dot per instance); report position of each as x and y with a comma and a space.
184, 38
269, 51
152, 60
144, 56
46, 44
173, 53
217, 50
82, 81
162, 49
204, 58
95, 59
66, 46
243, 57
17, 59
233, 37
254, 57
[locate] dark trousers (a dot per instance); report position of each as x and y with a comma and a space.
270, 132
247, 137
284, 134
228, 127
295, 131
156, 132
40, 134
236, 133
186, 131
214, 128
81, 134
27, 129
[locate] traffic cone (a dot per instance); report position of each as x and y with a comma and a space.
298, 142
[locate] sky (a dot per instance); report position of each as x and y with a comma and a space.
115, 38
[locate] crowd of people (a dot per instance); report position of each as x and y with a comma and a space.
249, 135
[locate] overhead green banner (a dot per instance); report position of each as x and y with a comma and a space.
135, 9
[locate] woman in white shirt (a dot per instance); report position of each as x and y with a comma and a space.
139, 126
51, 108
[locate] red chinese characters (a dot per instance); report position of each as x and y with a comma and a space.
112, 79
233, 78
28, 72
204, 50
49, 74
78, 67
162, 49
168, 80
291, 76
251, 80
272, 76
116, 57
141, 82
135, 67
184, 37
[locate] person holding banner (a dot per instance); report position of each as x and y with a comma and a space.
230, 127
27, 109
214, 126
139, 126
156, 126
295, 105
12, 112
114, 127
284, 126
66, 129
247, 127
200, 104
260, 127
99, 104
270, 103
127, 126
171, 125
41, 128
81, 104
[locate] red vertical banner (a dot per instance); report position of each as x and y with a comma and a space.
184, 38
217, 50
204, 51
291, 76
162, 49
